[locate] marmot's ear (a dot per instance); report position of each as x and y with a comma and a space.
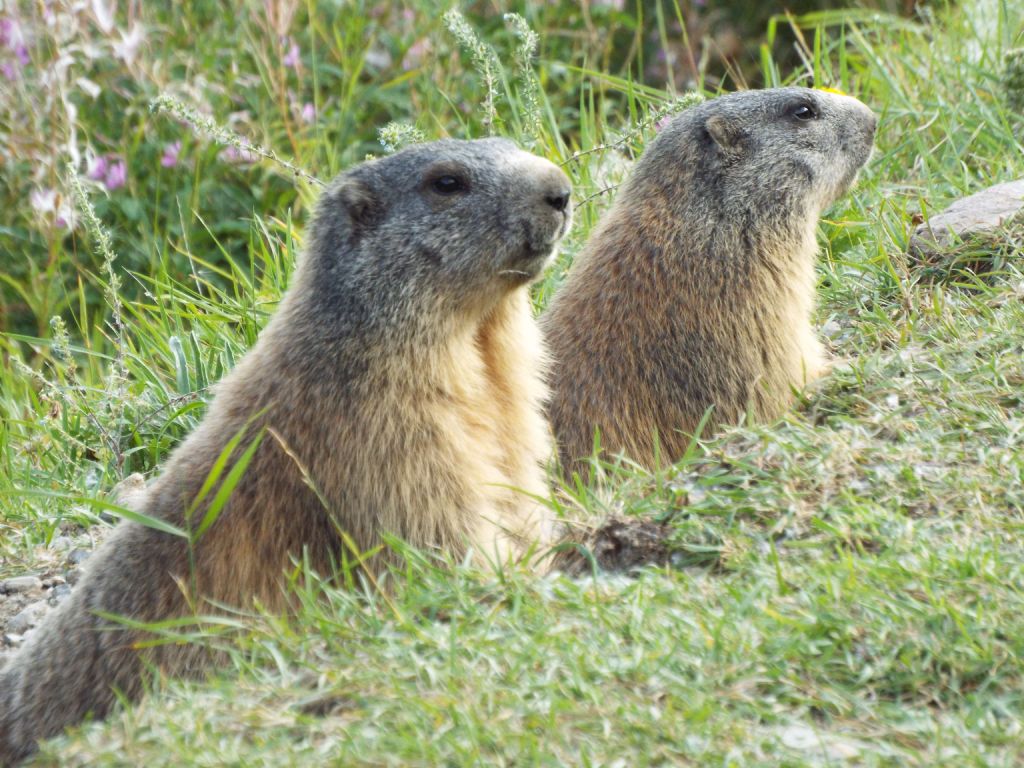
725, 132
360, 202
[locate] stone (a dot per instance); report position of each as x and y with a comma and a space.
20, 584
984, 212
78, 556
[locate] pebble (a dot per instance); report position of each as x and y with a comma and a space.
59, 594
13, 638
78, 556
20, 584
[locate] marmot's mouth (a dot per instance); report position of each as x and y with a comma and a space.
538, 250
530, 264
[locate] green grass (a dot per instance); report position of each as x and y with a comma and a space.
847, 584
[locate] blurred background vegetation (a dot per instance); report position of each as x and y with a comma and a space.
314, 81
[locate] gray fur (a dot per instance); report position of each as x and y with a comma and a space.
377, 375
696, 289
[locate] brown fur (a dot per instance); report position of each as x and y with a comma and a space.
401, 376
696, 291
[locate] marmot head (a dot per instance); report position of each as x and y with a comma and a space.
439, 224
794, 148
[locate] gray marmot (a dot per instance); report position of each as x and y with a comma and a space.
695, 291
400, 377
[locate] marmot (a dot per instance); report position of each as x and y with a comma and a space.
400, 376
695, 291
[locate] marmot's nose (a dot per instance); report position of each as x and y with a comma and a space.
558, 200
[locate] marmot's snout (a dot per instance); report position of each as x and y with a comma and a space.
547, 212
859, 130
867, 121
553, 193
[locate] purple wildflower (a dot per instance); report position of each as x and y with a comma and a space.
116, 176
308, 113
9, 71
236, 155
21, 53
96, 170
170, 156
110, 170
291, 59
416, 54
660, 125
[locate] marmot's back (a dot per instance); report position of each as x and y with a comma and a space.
695, 291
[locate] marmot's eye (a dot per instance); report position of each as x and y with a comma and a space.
803, 112
447, 184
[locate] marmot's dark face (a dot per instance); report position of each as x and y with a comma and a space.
444, 220
794, 148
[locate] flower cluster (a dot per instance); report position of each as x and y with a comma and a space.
50, 57
51, 207
110, 170
13, 50
237, 149
394, 136
484, 59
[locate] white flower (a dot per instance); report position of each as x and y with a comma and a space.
43, 200
129, 45
104, 18
88, 86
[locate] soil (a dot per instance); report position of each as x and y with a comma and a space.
619, 545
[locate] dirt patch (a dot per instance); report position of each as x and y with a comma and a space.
619, 545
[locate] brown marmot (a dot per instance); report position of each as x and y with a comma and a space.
695, 291
400, 376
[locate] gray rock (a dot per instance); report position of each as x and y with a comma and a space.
78, 556
59, 594
61, 543
13, 638
20, 584
30, 616
983, 212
